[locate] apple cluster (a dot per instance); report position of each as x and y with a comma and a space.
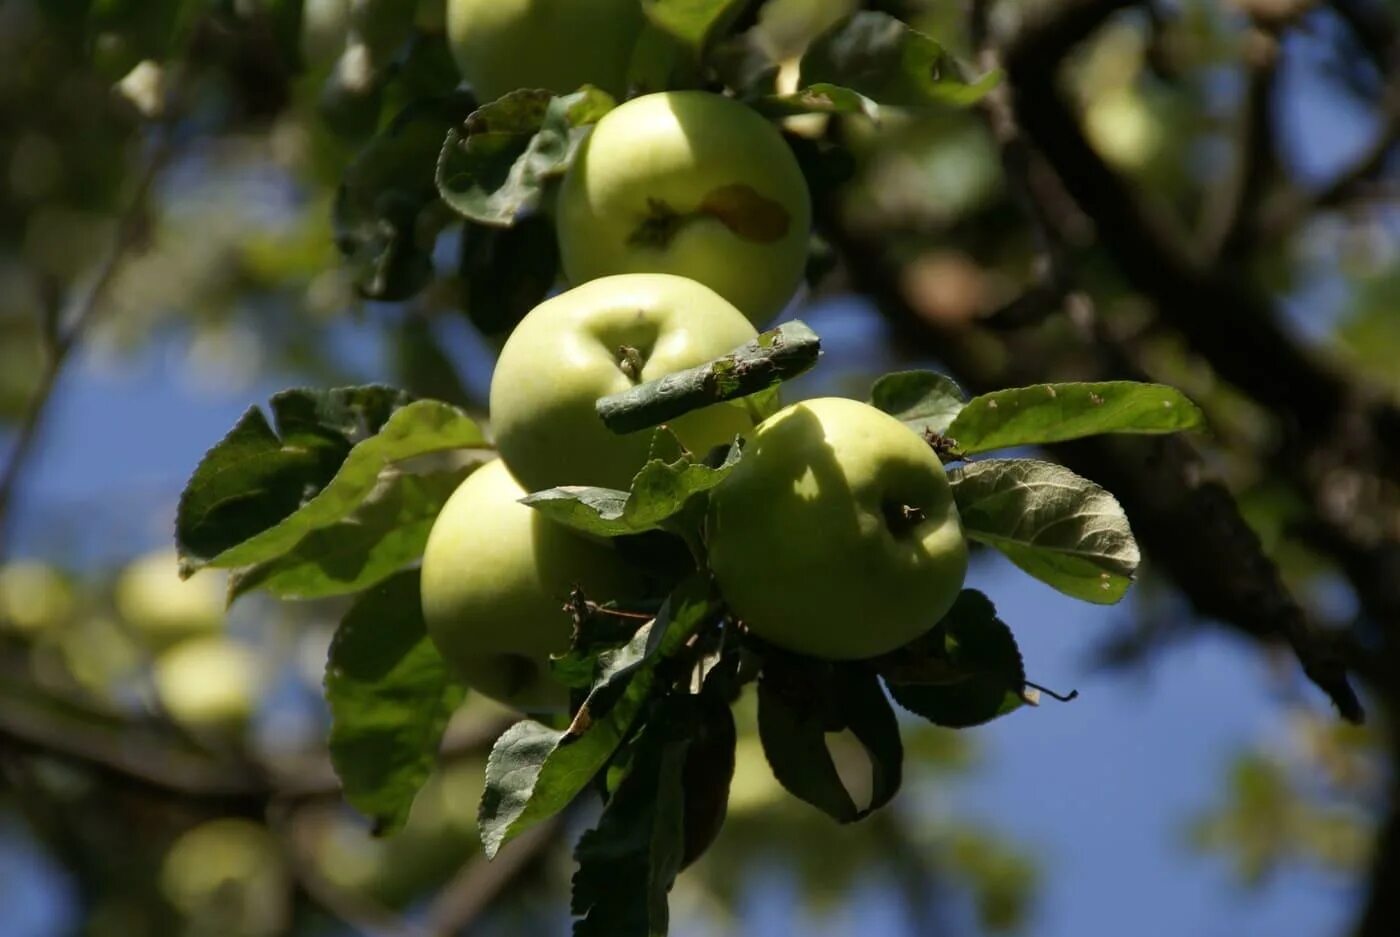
683, 223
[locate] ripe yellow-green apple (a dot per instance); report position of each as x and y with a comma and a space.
161, 607
836, 535
209, 683
694, 184
496, 575
33, 596
599, 339
559, 45
230, 876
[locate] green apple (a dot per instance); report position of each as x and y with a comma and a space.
496, 576
34, 597
694, 184
578, 346
161, 607
836, 535
230, 876
209, 683
559, 45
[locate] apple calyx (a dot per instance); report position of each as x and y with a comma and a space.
901, 519
741, 208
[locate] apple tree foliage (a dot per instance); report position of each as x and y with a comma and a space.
332, 493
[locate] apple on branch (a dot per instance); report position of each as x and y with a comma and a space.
558, 45
694, 184
496, 576
836, 536
599, 339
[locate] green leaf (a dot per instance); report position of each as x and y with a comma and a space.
385, 196
1062, 529
889, 63
660, 491
709, 768
507, 272
494, 167
535, 771
964, 672
261, 472
414, 429
693, 22
744, 63
386, 533
390, 695
1046, 413
819, 98
628, 863
801, 701
925, 400
772, 357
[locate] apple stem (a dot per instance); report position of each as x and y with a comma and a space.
1060, 697
629, 359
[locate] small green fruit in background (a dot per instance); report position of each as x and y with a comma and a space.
565, 354
229, 876
34, 597
496, 576
693, 184
836, 535
162, 608
559, 45
209, 683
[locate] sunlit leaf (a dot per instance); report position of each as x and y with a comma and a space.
1061, 528
1046, 413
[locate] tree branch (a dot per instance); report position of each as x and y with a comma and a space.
1217, 312
61, 339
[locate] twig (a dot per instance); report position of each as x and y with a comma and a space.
463, 900
1232, 215
367, 916
1052, 281
136, 754
1295, 207
61, 339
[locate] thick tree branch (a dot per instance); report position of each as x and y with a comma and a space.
148, 757
1217, 312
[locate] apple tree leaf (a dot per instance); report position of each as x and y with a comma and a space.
925, 401
261, 472
889, 63
534, 771
386, 193
387, 532
390, 695
966, 671
1061, 528
493, 168
232, 514
818, 98
1046, 413
628, 863
660, 491
801, 703
506, 272
772, 357
744, 62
